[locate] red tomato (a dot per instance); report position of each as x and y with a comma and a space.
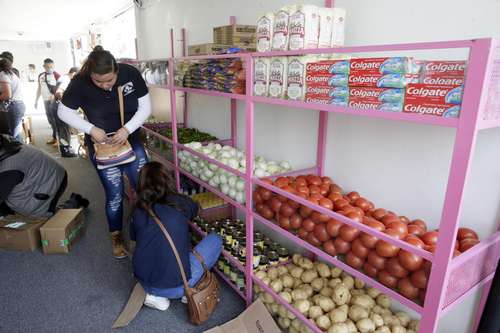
333, 227
295, 221
389, 218
387, 279
281, 182
385, 249
340, 203
353, 196
379, 213
467, 243
348, 233
329, 247
284, 222
362, 203
313, 180
320, 233
354, 261
359, 250
334, 196
265, 194
370, 270
430, 237
407, 289
414, 229
302, 233
414, 240
394, 267
399, 226
326, 180
300, 182
267, 213
294, 204
256, 197
419, 279
314, 189
308, 225
464, 233
275, 204
311, 239
341, 245
376, 261
326, 203
286, 210
420, 223
404, 219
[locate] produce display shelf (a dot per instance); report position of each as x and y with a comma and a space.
336, 262
214, 56
210, 93
372, 113
226, 254
404, 245
229, 282
310, 324
213, 190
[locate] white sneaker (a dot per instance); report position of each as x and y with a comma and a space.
157, 302
184, 300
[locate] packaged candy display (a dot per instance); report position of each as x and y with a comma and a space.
265, 26
278, 77
261, 70
395, 268
303, 28
225, 75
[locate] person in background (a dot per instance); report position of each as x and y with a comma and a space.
63, 82
95, 90
31, 73
11, 100
47, 88
10, 56
154, 263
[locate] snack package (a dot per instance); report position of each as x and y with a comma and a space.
265, 26
303, 28
278, 77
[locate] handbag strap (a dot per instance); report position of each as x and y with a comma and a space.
172, 245
120, 101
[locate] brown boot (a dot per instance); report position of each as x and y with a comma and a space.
117, 244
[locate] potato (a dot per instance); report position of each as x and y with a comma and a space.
323, 322
390, 320
398, 329
359, 284
386, 312
348, 281
288, 290
256, 288
290, 315
315, 299
296, 258
274, 308
414, 325
410, 331
277, 286
326, 291
344, 307
377, 309
326, 304
283, 322
383, 329
306, 263
338, 328
338, 315
323, 269
297, 283
372, 292
335, 272
266, 281
287, 280
341, 294
357, 312
315, 311
305, 329
296, 324
282, 270
268, 298
302, 305
317, 284
299, 294
260, 275
333, 282
296, 272
308, 276
384, 301
357, 292
403, 317
286, 296
377, 319
351, 326
308, 289
282, 311
292, 330
365, 325
363, 300
272, 273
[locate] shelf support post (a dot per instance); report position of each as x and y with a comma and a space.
321, 149
185, 96
173, 112
472, 106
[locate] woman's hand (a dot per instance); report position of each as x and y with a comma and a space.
98, 135
120, 136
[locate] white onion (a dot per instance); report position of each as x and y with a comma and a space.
233, 163
232, 193
223, 179
208, 173
240, 185
240, 197
225, 154
212, 183
213, 167
259, 173
232, 181
272, 168
285, 165
224, 188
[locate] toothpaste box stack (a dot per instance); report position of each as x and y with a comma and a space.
378, 83
326, 82
440, 90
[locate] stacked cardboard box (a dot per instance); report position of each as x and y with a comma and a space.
236, 35
62, 230
20, 233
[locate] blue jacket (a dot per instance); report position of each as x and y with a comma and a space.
154, 261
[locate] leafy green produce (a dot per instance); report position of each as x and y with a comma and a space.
186, 135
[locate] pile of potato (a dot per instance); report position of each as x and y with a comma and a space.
331, 298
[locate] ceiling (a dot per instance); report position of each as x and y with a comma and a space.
53, 19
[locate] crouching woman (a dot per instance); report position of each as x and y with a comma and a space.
154, 263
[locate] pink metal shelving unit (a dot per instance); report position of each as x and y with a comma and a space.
451, 279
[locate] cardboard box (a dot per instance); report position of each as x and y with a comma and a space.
255, 319
62, 230
207, 49
19, 232
236, 34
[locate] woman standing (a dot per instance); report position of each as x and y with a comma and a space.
95, 90
11, 99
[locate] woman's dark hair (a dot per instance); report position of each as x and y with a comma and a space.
99, 62
156, 184
6, 65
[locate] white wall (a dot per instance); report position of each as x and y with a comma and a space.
26, 52
398, 165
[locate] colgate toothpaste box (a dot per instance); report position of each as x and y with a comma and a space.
433, 94
386, 65
325, 100
387, 95
442, 80
359, 103
327, 80
328, 67
440, 110
382, 80
331, 92
444, 68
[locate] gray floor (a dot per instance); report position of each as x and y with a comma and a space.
85, 290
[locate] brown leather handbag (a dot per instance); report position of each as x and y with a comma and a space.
204, 296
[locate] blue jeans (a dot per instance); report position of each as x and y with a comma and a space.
112, 181
15, 115
209, 248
